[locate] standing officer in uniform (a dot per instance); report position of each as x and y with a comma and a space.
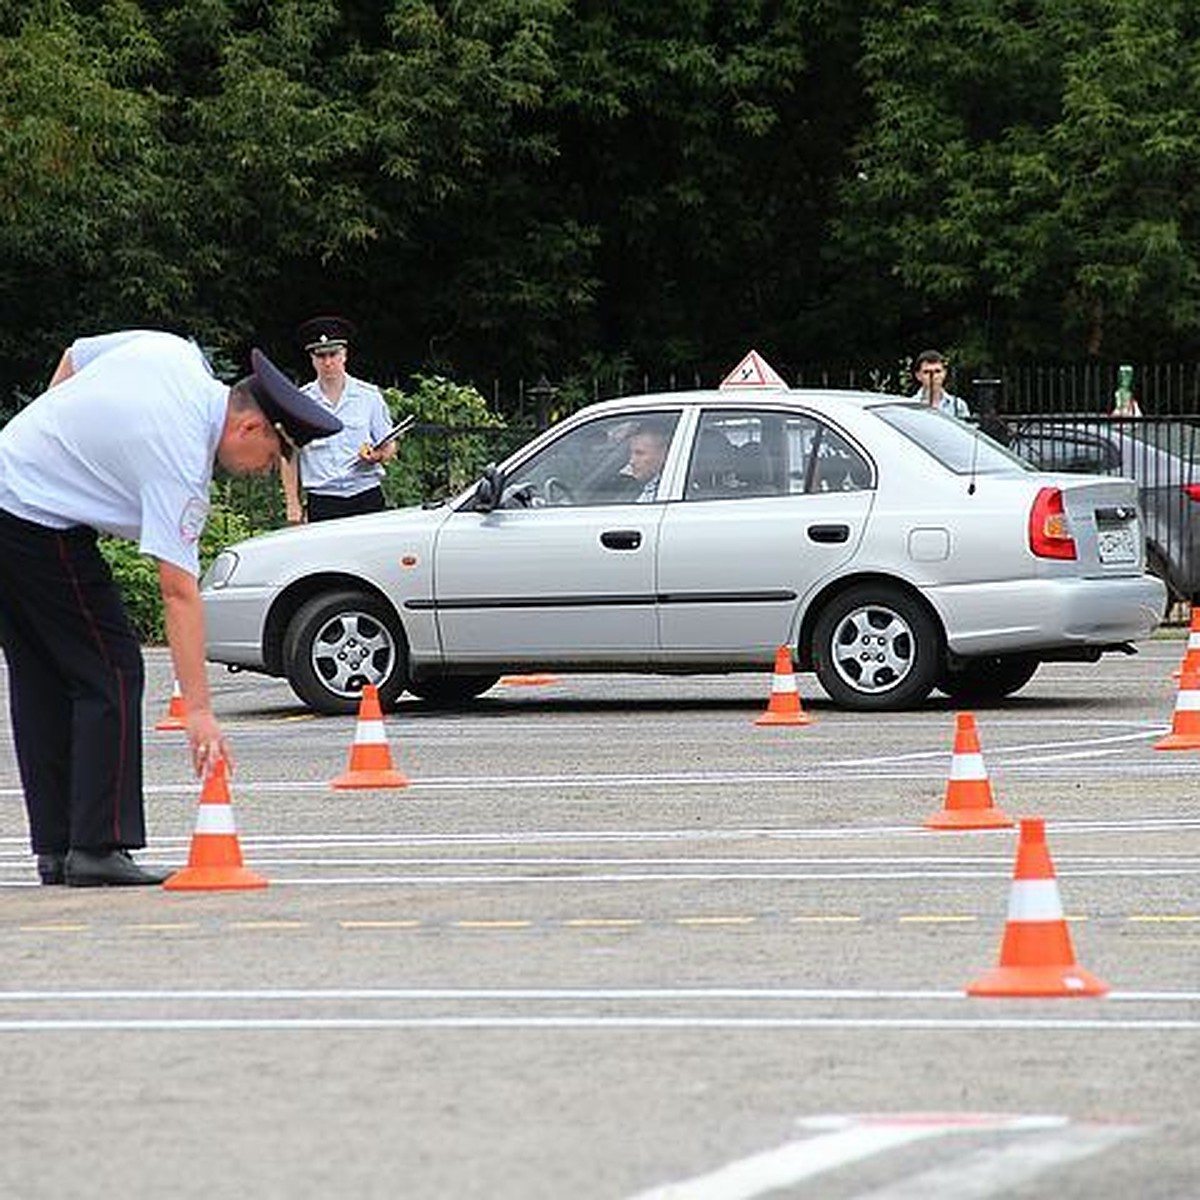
342, 475
123, 443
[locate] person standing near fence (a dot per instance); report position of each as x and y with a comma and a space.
340, 476
929, 370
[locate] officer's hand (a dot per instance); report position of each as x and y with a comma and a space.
207, 741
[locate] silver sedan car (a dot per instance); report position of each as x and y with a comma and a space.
894, 550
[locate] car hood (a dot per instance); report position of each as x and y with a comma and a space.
370, 540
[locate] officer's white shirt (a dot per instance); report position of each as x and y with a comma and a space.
331, 466
125, 445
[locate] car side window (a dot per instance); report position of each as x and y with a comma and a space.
611, 460
736, 453
747, 452
820, 459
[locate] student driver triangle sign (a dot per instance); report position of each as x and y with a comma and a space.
752, 372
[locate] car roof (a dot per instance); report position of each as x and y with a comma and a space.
737, 398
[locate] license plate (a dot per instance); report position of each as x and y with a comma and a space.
1117, 545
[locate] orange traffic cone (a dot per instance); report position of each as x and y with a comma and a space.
1191, 656
215, 859
176, 717
968, 803
1185, 724
784, 706
370, 758
1036, 958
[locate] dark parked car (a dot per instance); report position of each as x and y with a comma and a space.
1160, 456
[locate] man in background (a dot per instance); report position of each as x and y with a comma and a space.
929, 370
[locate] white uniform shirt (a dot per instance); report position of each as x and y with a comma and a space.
125, 445
331, 466
952, 406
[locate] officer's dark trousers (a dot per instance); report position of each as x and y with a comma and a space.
326, 508
75, 678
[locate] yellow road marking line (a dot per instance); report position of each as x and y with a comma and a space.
830, 919
54, 928
1164, 918
492, 924
268, 924
936, 919
380, 924
604, 922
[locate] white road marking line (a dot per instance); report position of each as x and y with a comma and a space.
996, 1171
845, 1140
324, 995
743, 1024
790, 1163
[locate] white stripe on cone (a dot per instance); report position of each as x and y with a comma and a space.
1188, 700
967, 766
369, 733
214, 818
1035, 900
783, 683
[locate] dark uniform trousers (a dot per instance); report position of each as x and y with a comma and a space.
326, 508
76, 679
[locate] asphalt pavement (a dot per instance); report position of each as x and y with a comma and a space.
614, 940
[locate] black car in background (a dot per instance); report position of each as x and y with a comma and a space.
1160, 455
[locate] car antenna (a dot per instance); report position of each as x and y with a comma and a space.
974, 461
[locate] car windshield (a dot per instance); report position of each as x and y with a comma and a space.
959, 447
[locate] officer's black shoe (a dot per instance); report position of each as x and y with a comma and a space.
115, 868
51, 867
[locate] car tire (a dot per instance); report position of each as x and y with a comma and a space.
339, 641
875, 647
987, 679
451, 691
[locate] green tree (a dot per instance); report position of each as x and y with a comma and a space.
1025, 182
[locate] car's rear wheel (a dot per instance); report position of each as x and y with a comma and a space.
340, 641
451, 691
875, 647
990, 678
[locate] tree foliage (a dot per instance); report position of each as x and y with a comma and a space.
503, 187
1025, 181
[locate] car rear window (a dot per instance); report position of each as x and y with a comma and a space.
957, 445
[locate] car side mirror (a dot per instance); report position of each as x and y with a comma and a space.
489, 491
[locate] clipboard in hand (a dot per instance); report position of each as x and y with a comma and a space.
398, 430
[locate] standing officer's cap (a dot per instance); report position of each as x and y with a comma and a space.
297, 417
325, 333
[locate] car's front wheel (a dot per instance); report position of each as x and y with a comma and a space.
340, 641
875, 647
985, 680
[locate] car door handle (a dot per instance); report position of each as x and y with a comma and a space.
621, 539
829, 533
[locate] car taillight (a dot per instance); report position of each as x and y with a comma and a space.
1192, 491
1049, 529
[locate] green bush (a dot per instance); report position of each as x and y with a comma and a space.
137, 575
455, 436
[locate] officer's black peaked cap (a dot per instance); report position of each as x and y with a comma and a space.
283, 403
325, 333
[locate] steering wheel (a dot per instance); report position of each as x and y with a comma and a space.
557, 492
